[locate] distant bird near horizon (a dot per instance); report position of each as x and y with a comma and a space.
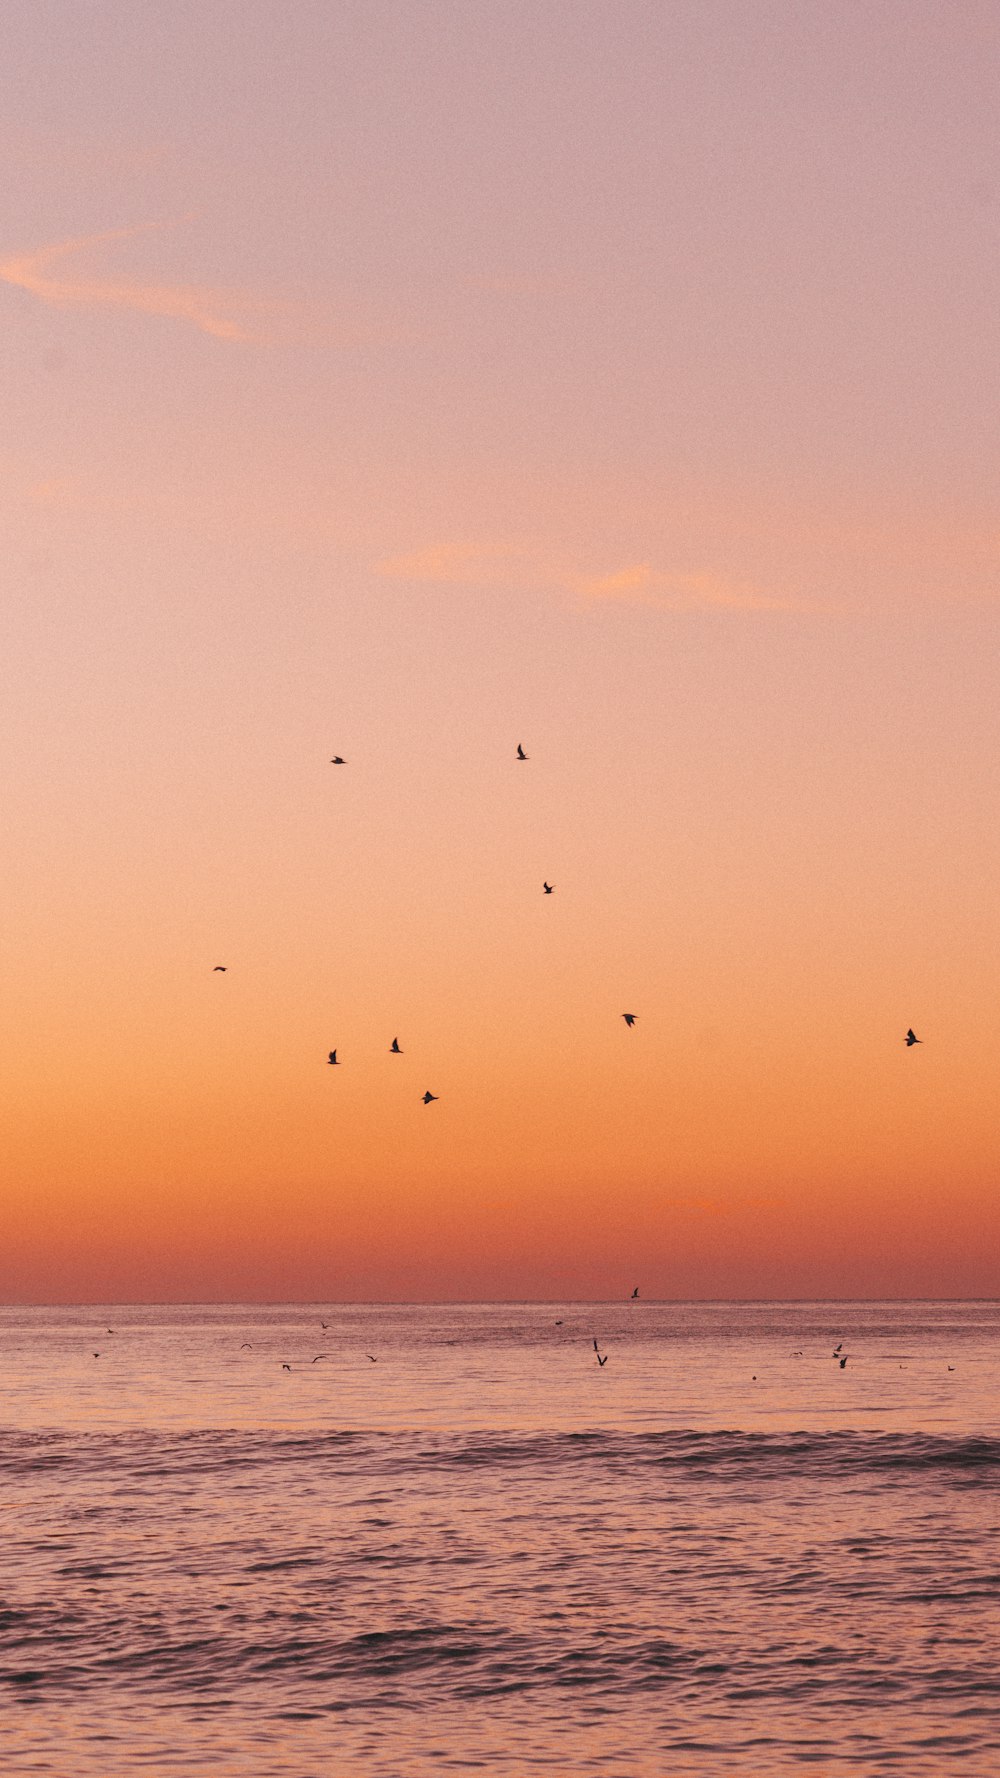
603, 1360
394, 1049
630, 1018
429, 1098
246, 1346
374, 1360
520, 751
548, 888
337, 761
332, 1059
318, 1357
843, 1361
838, 1349
286, 1367
220, 969
635, 1293
911, 1038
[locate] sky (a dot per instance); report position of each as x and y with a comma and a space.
408, 381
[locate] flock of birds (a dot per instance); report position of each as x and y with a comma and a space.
429, 1098
602, 1357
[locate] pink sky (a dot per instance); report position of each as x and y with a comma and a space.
408, 381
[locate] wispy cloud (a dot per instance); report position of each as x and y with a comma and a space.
52, 275
489, 564
642, 584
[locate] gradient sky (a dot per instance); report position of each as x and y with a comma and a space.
407, 379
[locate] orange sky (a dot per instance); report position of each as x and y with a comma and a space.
411, 382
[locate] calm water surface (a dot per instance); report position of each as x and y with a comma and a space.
718, 1553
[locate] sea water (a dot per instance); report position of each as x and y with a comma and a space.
447, 1539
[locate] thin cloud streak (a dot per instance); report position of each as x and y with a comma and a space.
470, 564
224, 315
642, 584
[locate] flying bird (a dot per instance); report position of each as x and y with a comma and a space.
337, 761
394, 1049
843, 1361
630, 1018
429, 1098
220, 969
838, 1349
318, 1357
374, 1360
286, 1367
601, 1360
246, 1346
332, 1059
911, 1038
548, 888
635, 1293
520, 751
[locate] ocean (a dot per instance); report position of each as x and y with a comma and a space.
446, 1539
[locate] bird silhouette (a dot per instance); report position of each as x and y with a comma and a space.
911, 1038
220, 969
337, 761
324, 1324
286, 1367
843, 1361
394, 1049
246, 1346
520, 751
601, 1360
630, 1018
635, 1293
374, 1360
838, 1349
548, 888
319, 1356
332, 1059
429, 1098
951, 1367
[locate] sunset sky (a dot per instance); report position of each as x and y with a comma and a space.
408, 379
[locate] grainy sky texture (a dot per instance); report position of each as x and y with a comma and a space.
410, 380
